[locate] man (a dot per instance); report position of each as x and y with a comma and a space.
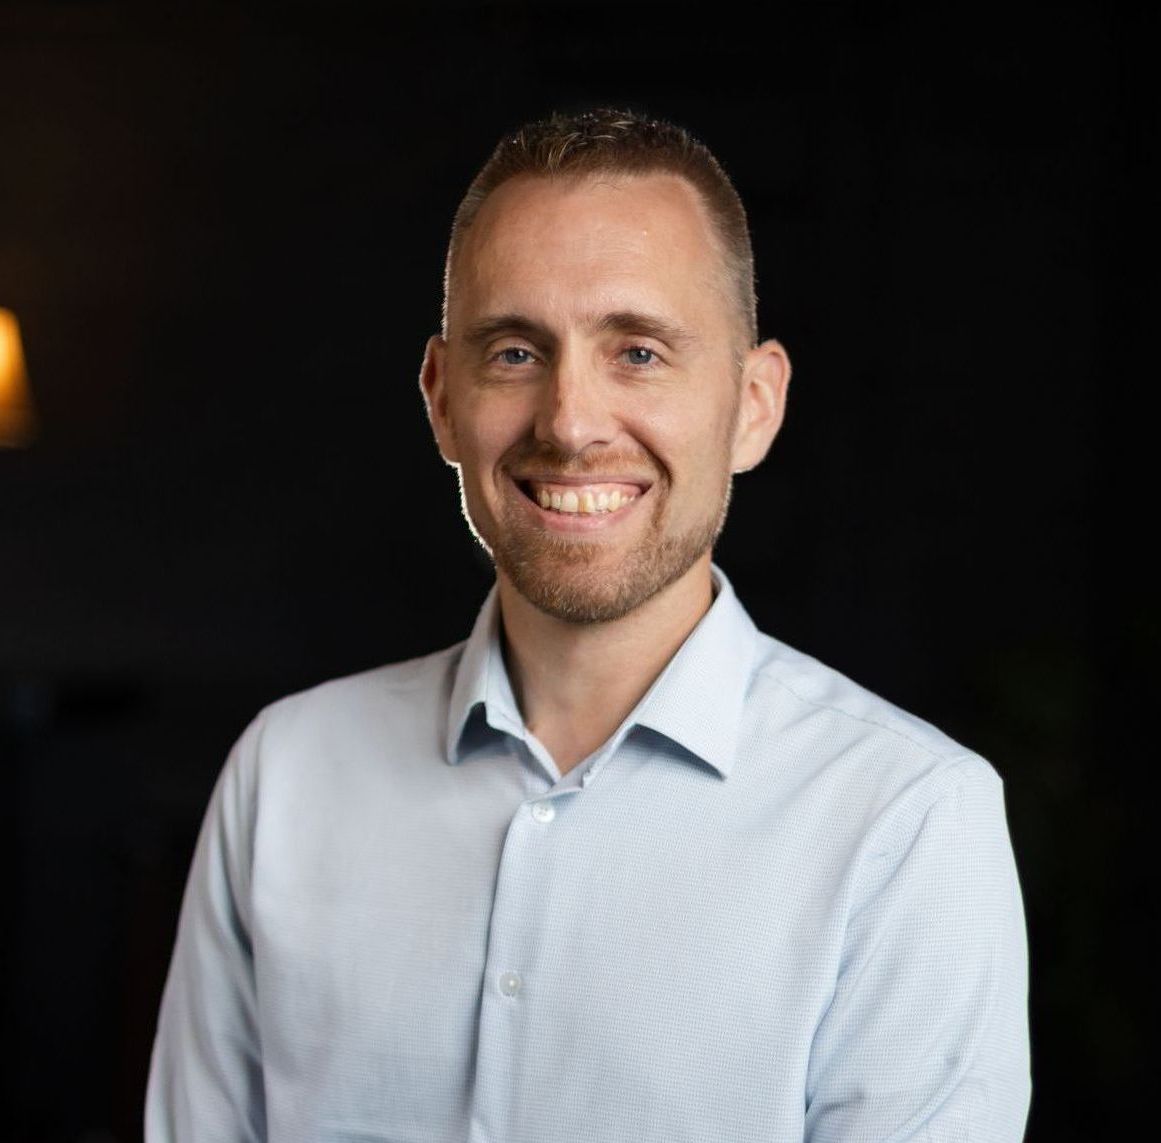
618, 867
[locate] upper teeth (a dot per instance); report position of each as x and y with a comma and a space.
586, 501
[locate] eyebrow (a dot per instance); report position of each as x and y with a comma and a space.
482, 331
632, 321
619, 321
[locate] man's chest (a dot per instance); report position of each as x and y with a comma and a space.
628, 959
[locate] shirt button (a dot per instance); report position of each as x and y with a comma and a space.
543, 812
510, 983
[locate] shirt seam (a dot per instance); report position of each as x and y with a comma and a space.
962, 752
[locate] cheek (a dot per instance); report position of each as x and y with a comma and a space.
480, 437
691, 442
496, 425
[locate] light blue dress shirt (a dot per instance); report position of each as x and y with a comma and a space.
771, 907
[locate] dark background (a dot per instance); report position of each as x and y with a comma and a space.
222, 228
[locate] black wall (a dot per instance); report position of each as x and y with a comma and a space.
222, 227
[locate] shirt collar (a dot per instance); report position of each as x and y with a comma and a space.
696, 701
482, 690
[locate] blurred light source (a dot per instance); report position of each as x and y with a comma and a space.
17, 418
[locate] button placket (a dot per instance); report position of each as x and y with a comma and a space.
510, 986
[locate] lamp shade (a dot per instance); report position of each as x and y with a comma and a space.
17, 418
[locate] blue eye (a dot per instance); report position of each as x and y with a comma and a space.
515, 355
639, 355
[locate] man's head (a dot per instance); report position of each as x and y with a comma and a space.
608, 143
593, 384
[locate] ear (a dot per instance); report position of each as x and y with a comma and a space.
433, 383
765, 379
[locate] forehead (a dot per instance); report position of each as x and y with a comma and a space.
563, 242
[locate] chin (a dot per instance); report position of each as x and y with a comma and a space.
573, 589
572, 604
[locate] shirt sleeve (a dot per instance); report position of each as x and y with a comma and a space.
926, 1038
205, 1079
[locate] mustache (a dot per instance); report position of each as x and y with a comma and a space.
547, 457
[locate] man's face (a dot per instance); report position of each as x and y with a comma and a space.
590, 389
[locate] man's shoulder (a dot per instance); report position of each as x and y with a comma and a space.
840, 753
397, 691
847, 719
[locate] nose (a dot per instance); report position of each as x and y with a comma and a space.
575, 409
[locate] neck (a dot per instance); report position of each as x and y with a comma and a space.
575, 683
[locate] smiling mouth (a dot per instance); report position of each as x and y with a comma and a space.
591, 499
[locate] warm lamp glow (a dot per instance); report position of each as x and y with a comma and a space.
17, 419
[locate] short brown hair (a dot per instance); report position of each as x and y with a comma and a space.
607, 141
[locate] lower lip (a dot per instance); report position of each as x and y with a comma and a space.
579, 522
